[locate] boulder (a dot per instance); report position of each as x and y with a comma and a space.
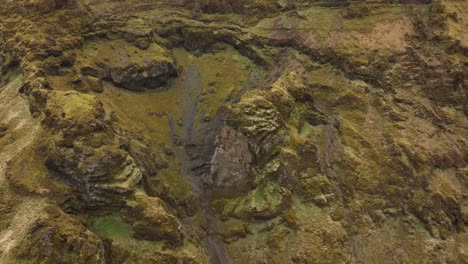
154, 222
230, 164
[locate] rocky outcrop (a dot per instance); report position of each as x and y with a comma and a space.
245, 132
85, 153
58, 237
155, 223
127, 66
231, 161
265, 202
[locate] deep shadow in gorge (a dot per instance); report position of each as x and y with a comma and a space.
195, 156
211, 131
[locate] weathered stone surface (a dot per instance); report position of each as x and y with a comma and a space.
91, 159
247, 132
127, 66
57, 237
230, 164
265, 202
155, 223
255, 116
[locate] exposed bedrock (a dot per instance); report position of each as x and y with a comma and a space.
129, 67
231, 162
233, 131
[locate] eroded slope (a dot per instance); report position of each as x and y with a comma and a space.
233, 132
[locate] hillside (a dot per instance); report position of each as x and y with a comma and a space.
233, 131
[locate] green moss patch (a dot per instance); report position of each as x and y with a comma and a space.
112, 227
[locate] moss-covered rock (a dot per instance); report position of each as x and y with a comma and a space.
128, 66
154, 222
293, 131
85, 153
262, 203
58, 237
234, 229
255, 116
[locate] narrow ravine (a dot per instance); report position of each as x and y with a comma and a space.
195, 158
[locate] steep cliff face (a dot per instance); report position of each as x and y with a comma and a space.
233, 131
